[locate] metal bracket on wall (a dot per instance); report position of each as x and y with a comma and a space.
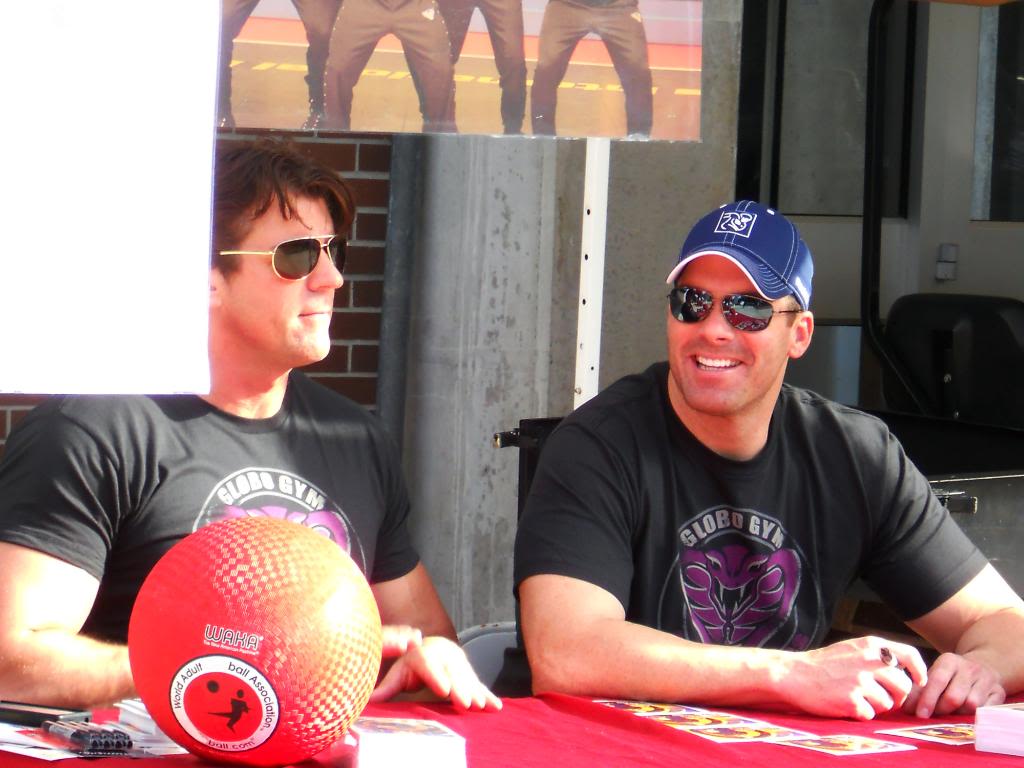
957, 502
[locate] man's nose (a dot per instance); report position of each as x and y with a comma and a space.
715, 325
325, 274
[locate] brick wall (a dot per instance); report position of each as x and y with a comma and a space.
351, 366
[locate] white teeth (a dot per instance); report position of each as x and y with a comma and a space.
710, 362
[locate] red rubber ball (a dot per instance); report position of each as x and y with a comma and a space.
255, 641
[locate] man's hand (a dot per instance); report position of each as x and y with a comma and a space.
956, 684
434, 662
979, 628
858, 678
397, 638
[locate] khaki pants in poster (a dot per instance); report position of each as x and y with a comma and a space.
420, 28
621, 27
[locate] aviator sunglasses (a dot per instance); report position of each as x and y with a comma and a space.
742, 312
296, 259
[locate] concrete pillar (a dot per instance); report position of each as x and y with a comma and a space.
494, 308
478, 357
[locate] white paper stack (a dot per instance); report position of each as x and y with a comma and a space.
1000, 729
134, 719
384, 742
132, 712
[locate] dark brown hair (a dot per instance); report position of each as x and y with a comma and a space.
250, 176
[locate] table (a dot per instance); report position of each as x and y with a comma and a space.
571, 732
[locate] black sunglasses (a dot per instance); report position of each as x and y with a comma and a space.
296, 259
742, 312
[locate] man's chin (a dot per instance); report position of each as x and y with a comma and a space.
709, 403
700, 398
716, 408
318, 356
308, 355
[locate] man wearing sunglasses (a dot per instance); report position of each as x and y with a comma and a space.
691, 529
93, 490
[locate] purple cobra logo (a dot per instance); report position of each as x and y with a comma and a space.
741, 578
739, 597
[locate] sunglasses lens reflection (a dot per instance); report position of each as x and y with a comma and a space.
696, 304
690, 305
296, 258
745, 313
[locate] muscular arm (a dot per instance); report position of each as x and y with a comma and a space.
412, 600
436, 661
979, 631
579, 642
43, 659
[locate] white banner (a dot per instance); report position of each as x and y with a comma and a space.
109, 116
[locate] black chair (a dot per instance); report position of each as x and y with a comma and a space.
496, 650
964, 355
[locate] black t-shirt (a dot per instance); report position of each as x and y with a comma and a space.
753, 553
110, 483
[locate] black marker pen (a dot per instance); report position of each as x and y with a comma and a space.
90, 737
70, 732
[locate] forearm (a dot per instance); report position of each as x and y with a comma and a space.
578, 642
411, 600
57, 668
619, 659
438, 626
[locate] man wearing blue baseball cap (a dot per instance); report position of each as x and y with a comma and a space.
691, 529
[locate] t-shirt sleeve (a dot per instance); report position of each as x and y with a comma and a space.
920, 556
394, 554
58, 494
578, 516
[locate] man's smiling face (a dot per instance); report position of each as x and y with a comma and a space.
718, 371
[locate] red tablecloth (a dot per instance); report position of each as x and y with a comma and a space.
569, 732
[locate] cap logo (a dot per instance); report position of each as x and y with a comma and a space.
736, 223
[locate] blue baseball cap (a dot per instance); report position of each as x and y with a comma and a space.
760, 241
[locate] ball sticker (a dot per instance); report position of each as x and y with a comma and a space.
225, 703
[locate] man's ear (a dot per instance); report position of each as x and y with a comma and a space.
801, 332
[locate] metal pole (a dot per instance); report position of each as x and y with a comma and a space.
595, 220
871, 227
